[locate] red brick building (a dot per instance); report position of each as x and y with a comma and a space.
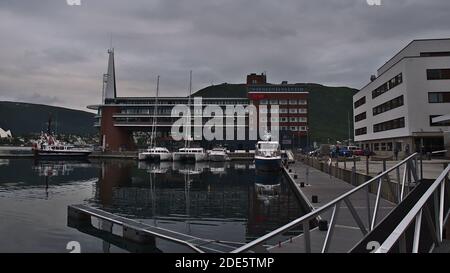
292, 101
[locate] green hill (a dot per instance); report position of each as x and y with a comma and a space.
329, 108
27, 118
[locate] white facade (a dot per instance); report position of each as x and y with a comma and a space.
412, 64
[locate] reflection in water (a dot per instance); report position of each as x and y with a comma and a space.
221, 200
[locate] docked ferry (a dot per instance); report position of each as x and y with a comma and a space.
156, 154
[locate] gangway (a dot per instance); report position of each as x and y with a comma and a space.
407, 176
80, 217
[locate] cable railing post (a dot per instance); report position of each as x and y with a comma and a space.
307, 236
441, 210
334, 215
398, 184
377, 203
417, 226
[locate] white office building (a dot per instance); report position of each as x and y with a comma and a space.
396, 109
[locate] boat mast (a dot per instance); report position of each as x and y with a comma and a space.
188, 135
155, 112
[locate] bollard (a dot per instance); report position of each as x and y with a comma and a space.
315, 199
295, 176
367, 165
345, 163
323, 225
302, 184
290, 170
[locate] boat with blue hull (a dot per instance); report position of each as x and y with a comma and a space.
268, 156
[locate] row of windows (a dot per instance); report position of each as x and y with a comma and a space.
438, 97
293, 119
175, 102
283, 102
276, 89
361, 131
293, 128
389, 125
284, 119
387, 85
285, 110
389, 105
438, 74
360, 102
383, 146
360, 117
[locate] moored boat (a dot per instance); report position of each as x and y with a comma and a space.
218, 155
268, 155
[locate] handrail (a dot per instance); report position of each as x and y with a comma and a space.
334, 203
416, 214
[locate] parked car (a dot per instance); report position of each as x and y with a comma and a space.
345, 152
356, 150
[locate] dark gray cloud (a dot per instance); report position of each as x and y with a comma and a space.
59, 51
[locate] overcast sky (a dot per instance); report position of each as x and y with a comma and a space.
53, 53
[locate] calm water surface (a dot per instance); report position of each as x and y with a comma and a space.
221, 201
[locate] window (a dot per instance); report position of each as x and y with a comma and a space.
389, 125
273, 101
284, 119
283, 110
263, 102
389, 105
283, 128
302, 119
293, 110
439, 97
283, 102
293, 128
303, 128
438, 74
302, 102
361, 131
383, 146
442, 123
360, 102
302, 110
376, 146
292, 102
360, 117
387, 85
291, 119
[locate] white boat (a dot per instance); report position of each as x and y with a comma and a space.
190, 154
218, 155
268, 155
154, 153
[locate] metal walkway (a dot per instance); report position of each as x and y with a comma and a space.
373, 229
137, 233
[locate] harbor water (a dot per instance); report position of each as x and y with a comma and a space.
226, 201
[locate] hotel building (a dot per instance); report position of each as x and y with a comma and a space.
396, 109
119, 118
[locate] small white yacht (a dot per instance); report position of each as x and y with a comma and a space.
218, 155
190, 154
155, 154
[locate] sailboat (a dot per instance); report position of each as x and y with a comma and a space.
188, 153
153, 152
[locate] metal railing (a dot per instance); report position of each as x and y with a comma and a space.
410, 175
436, 190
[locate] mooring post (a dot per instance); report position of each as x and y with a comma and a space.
367, 165
345, 163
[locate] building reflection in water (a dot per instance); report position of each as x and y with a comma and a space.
201, 199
